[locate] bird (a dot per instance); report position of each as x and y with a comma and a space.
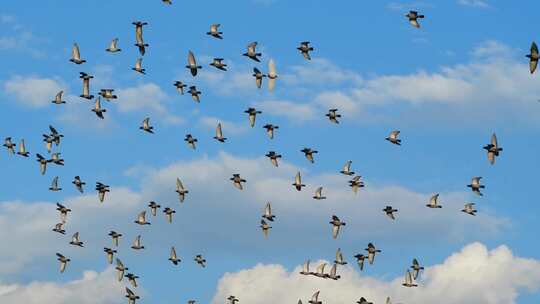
58, 98
333, 273
304, 49
132, 279
145, 126
268, 213
339, 258
356, 183
169, 214
139, 36
86, 85
319, 272
305, 269
272, 75
59, 228
115, 236
363, 301
308, 153
389, 210
232, 299
78, 183
141, 219
120, 268
54, 185
76, 55
56, 136
22, 149
192, 64
55, 159
237, 181
10, 146
416, 268
137, 245
372, 251
265, 228
219, 134
336, 225
63, 262
318, 194
153, 207
360, 258
252, 112
132, 297
190, 140
108, 94
434, 201
42, 163
252, 53
469, 209
214, 31
315, 298
258, 77
75, 241
97, 109
181, 190
393, 137
273, 156
195, 93
48, 142
218, 64
533, 57
298, 182
347, 169
63, 211
173, 258
180, 86
476, 186
102, 189
493, 149
409, 280
270, 128
200, 260
169, 2
138, 67
113, 47
333, 115
110, 254
413, 18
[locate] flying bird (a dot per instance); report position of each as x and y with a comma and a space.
76, 55
493, 149
363, 301
305, 269
59, 228
339, 258
372, 251
110, 254
273, 156
192, 64
318, 194
145, 126
115, 236
120, 269
333, 115
218, 64
181, 190
258, 77
58, 98
265, 228
153, 207
413, 18
22, 149
315, 298
131, 296
389, 210
298, 182
393, 138
10, 146
63, 211
409, 280
86, 85
169, 214
272, 75
319, 271
132, 279
138, 67
78, 183
304, 49
356, 183
434, 202
268, 213
195, 93
308, 153
333, 273
252, 113
533, 57
137, 245
336, 225
360, 258
55, 159
139, 36
42, 163
113, 47
219, 134
270, 128
469, 209
237, 181
476, 186
75, 241
108, 94
173, 258
180, 86
252, 53
63, 262
200, 260
214, 31
98, 109
102, 189
141, 219
54, 185
347, 169
190, 140
416, 268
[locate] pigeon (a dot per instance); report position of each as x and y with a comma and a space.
360, 258
42, 163
146, 126
78, 183
132, 279
265, 228
493, 149
272, 75
195, 93
173, 258
10, 146
258, 77
75, 241
363, 301
120, 268
305, 269
469, 209
113, 47
56, 136
336, 225
308, 153
218, 64
63, 262
115, 237
214, 31
298, 182
533, 57
219, 134
192, 64
393, 138
153, 207
413, 18
273, 156
97, 109
138, 67
190, 140
59, 228
141, 219
252, 53
169, 214
137, 245
333, 115
86, 85
63, 211
476, 186
102, 189
318, 194
319, 272
252, 112
108, 94
372, 251
315, 298
232, 299
434, 202
237, 181
132, 297
408, 280
180, 86
304, 49
347, 169
54, 185
22, 149
48, 142
339, 258
268, 213
169, 2
333, 273
181, 190
58, 98
110, 254
76, 55
356, 183
390, 212
55, 159
139, 36
270, 130
200, 260
416, 268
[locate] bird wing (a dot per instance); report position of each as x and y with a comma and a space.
298, 179
335, 231
251, 47
315, 297
268, 210
219, 132
272, 69
191, 59
141, 217
114, 42
318, 192
63, 264
139, 34
494, 140
75, 53
173, 253
138, 64
75, 237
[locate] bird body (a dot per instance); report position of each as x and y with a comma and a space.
304, 49
298, 182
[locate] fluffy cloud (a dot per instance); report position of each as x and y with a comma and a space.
33, 91
473, 275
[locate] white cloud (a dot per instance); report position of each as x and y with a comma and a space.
474, 3
297, 112
228, 127
319, 71
33, 91
473, 275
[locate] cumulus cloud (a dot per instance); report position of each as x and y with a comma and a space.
472, 275
33, 91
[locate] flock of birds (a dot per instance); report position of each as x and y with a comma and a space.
54, 137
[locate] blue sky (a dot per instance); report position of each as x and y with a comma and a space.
447, 86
